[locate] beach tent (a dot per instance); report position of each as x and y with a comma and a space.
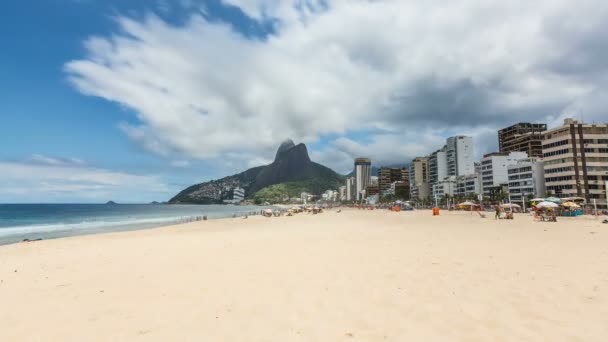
546, 204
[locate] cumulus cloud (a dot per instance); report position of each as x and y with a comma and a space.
413, 71
46, 179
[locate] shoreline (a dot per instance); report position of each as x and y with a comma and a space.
49, 231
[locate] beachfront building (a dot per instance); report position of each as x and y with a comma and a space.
419, 178
455, 158
438, 165
390, 175
329, 196
468, 185
522, 137
405, 176
444, 187
374, 180
351, 189
342, 193
305, 197
576, 161
363, 177
494, 170
526, 178
460, 156
238, 194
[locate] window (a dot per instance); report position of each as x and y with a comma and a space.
557, 143
558, 179
555, 153
559, 169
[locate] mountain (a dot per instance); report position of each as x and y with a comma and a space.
291, 167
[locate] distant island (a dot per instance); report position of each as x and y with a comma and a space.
110, 203
291, 173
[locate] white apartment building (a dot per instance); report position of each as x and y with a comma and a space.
468, 185
363, 177
305, 197
330, 196
445, 187
438, 165
460, 155
494, 170
342, 193
576, 161
351, 188
238, 194
526, 177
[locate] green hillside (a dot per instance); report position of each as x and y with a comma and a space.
281, 192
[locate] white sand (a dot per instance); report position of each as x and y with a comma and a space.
353, 276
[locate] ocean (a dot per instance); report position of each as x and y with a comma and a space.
47, 221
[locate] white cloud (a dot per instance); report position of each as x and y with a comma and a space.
61, 182
406, 68
40, 159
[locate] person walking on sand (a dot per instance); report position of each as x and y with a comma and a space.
497, 210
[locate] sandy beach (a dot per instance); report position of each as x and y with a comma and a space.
350, 276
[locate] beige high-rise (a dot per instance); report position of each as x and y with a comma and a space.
576, 161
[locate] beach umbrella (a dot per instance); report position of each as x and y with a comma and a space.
570, 205
467, 203
546, 204
508, 205
537, 200
553, 199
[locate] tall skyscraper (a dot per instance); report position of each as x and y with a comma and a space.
576, 161
363, 176
522, 137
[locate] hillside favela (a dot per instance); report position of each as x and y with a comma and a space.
303, 170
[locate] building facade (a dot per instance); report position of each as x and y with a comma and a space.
468, 185
444, 187
576, 161
342, 193
460, 156
351, 189
363, 176
522, 137
389, 175
494, 170
419, 179
526, 178
438, 165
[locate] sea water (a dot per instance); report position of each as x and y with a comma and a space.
44, 221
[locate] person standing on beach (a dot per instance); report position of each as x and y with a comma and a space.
497, 209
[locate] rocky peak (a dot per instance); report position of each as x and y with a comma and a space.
284, 147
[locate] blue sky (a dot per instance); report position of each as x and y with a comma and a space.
134, 100
43, 115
